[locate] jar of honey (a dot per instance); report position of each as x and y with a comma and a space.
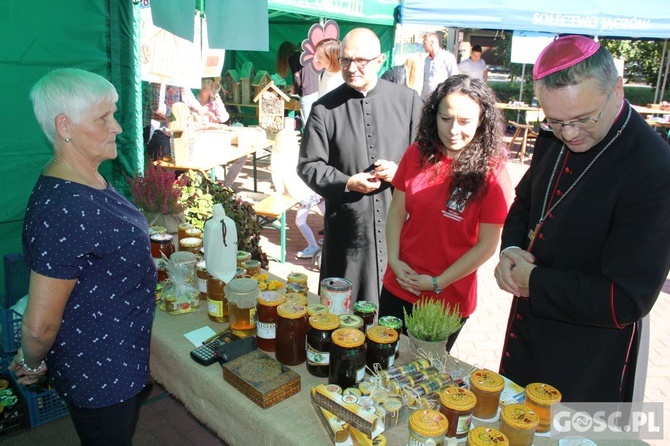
540, 397
161, 245
396, 324
313, 309
319, 338
487, 436
266, 319
242, 256
299, 278
367, 311
157, 230
381, 347
351, 321
456, 403
217, 304
240, 273
193, 232
518, 422
427, 428
181, 230
296, 288
487, 386
242, 295
191, 244
291, 333
253, 267
347, 357
297, 298
202, 276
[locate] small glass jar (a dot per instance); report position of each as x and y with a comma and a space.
381, 347
202, 276
321, 327
296, 288
266, 319
367, 311
193, 232
242, 296
297, 298
161, 245
487, 386
313, 309
181, 230
540, 397
291, 333
427, 428
486, 436
347, 357
217, 304
191, 244
157, 230
396, 324
456, 403
299, 278
253, 267
518, 422
351, 321
242, 256
240, 273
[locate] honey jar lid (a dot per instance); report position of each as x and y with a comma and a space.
297, 297
250, 263
392, 405
243, 255
487, 381
458, 398
191, 242
184, 226
297, 277
291, 310
348, 337
324, 321
313, 309
193, 232
351, 321
391, 321
519, 416
429, 423
157, 230
162, 238
365, 307
382, 335
271, 298
487, 436
380, 440
543, 394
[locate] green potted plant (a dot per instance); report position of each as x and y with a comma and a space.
158, 195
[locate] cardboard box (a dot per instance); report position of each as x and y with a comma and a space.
262, 379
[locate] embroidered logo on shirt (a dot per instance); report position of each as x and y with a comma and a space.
455, 210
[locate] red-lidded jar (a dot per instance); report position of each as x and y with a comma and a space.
291, 333
161, 244
381, 347
266, 319
319, 333
367, 311
347, 357
456, 403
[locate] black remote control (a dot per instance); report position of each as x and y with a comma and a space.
206, 354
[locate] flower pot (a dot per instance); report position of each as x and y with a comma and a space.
169, 221
436, 351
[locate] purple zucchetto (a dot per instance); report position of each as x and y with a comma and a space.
562, 53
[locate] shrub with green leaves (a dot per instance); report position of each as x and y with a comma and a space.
432, 320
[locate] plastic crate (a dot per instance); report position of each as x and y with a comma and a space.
16, 419
10, 331
17, 279
44, 405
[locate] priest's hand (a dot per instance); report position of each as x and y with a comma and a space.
385, 170
363, 182
513, 271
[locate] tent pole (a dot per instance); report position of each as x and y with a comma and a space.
523, 78
660, 72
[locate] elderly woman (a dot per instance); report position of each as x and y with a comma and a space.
451, 198
92, 278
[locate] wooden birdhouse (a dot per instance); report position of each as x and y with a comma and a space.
261, 79
271, 101
231, 85
246, 76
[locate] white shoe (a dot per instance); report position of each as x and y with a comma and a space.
308, 252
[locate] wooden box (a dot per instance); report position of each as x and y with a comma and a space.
262, 379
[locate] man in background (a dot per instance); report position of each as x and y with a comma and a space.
439, 65
474, 66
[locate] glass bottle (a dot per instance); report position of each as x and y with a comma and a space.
291, 333
347, 357
217, 304
161, 244
266, 319
201, 278
321, 328
242, 295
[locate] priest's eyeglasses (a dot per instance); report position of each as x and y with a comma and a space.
577, 124
360, 62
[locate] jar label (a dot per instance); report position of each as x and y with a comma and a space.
316, 357
266, 330
215, 308
202, 285
463, 424
360, 374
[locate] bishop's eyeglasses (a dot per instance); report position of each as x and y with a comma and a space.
577, 124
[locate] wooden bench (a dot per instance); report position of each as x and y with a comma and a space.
272, 208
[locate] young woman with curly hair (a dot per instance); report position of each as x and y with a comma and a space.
451, 197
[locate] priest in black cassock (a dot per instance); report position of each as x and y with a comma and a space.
354, 139
586, 244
